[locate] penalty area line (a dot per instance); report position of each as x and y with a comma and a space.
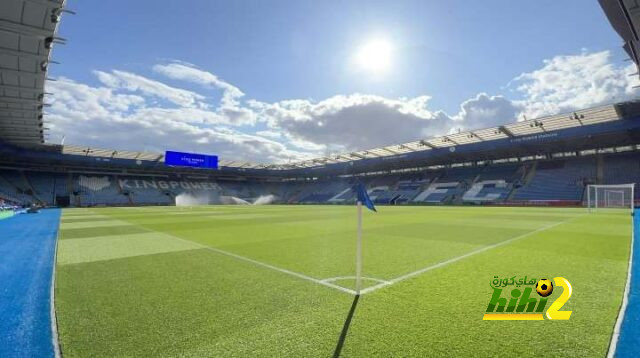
462, 257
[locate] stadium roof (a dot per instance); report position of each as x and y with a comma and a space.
534, 126
27, 34
624, 16
580, 118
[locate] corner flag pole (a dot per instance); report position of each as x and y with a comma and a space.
359, 251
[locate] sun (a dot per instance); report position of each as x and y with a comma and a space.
374, 56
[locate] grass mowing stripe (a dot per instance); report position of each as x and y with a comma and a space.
455, 259
279, 269
195, 303
72, 234
103, 248
255, 262
90, 224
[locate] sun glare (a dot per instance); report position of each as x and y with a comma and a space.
374, 56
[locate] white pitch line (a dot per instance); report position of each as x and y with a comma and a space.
333, 279
458, 258
55, 339
368, 289
613, 344
255, 262
279, 269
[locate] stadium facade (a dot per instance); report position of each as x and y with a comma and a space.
545, 161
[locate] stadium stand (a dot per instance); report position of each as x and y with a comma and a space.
621, 168
546, 161
534, 182
559, 180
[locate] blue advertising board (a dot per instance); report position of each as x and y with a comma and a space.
180, 159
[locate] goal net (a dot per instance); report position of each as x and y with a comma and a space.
618, 196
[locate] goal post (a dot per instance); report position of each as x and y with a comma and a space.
616, 196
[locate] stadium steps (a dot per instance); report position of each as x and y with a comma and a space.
29, 185
530, 175
584, 194
599, 170
527, 178
464, 187
55, 190
524, 179
394, 199
116, 181
121, 190
74, 200
70, 183
512, 193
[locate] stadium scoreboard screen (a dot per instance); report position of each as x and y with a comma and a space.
180, 159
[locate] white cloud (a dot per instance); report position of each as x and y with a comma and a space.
229, 106
567, 83
485, 111
364, 121
351, 122
97, 117
180, 71
124, 113
136, 83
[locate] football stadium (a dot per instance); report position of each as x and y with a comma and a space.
514, 239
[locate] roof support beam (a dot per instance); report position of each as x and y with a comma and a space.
24, 30
19, 126
23, 119
24, 140
52, 3
26, 124
6, 51
447, 139
10, 136
22, 89
474, 134
11, 110
4, 99
506, 131
21, 130
427, 144
25, 136
32, 75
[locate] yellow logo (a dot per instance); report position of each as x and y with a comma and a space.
520, 305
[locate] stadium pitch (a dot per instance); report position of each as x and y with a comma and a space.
278, 280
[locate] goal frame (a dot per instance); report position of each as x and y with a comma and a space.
612, 188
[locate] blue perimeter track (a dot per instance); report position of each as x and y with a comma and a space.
27, 258
629, 341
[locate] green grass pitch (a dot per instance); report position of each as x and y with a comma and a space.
273, 281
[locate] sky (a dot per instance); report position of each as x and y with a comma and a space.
278, 81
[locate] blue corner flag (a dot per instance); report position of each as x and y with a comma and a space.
363, 197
